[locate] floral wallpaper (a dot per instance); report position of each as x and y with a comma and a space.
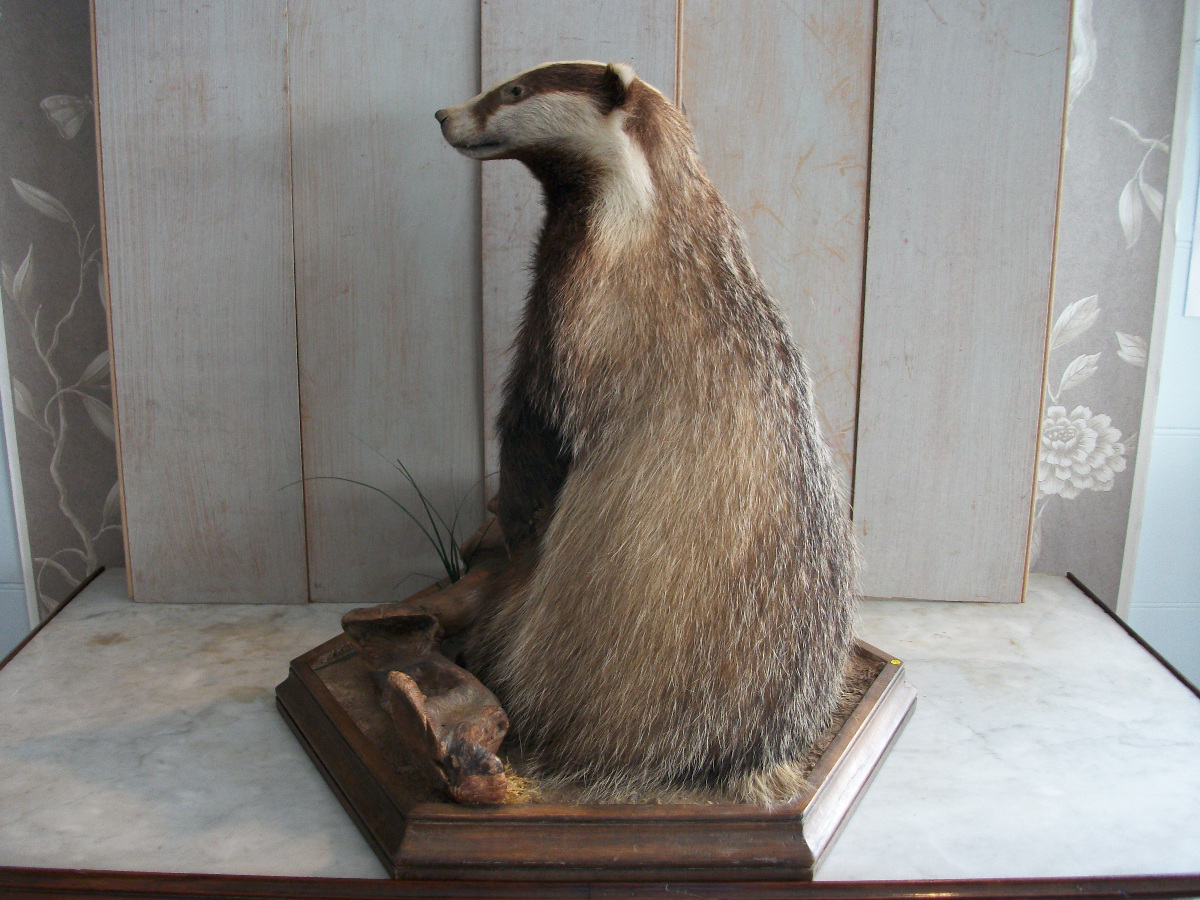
54, 317
1120, 114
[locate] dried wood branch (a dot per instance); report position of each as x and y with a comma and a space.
454, 607
449, 724
488, 538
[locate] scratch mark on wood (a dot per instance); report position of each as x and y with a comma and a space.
804, 157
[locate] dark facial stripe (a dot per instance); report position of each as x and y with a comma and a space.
591, 79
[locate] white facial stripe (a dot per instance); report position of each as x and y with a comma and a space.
572, 120
556, 118
566, 119
630, 191
535, 120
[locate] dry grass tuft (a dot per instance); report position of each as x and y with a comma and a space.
520, 788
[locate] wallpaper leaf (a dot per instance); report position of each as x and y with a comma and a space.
1153, 196
1133, 349
41, 201
23, 400
101, 415
1083, 47
67, 113
1129, 206
21, 281
112, 504
1080, 369
1074, 321
97, 370
1129, 211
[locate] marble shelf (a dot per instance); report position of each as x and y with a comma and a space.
1045, 743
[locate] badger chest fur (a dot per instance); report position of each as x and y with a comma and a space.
679, 607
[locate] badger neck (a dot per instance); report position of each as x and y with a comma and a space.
605, 199
571, 186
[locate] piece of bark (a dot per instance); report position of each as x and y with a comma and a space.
388, 642
454, 607
449, 724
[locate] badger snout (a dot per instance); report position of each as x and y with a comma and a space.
465, 134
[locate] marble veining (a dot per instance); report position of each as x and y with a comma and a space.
1044, 742
139, 736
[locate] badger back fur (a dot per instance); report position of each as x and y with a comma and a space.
684, 612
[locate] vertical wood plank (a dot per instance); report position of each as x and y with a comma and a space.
965, 161
517, 35
193, 113
387, 263
779, 95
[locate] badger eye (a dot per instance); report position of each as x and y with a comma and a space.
514, 92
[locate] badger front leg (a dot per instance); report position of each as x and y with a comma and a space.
534, 461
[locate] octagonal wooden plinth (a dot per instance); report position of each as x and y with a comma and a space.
329, 703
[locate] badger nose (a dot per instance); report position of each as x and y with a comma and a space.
441, 115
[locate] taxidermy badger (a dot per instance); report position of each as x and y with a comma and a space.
678, 608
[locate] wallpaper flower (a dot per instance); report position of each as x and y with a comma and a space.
1120, 116
1079, 452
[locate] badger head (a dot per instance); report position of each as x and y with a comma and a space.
565, 107
570, 123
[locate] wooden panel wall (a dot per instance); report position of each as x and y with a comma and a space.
192, 108
965, 160
387, 282
391, 331
517, 35
780, 97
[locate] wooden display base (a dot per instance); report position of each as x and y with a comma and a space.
329, 702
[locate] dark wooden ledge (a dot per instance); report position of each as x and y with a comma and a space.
75, 883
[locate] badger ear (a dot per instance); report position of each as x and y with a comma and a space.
617, 78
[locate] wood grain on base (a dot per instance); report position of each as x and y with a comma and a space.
517, 35
387, 263
964, 176
194, 154
779, 96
